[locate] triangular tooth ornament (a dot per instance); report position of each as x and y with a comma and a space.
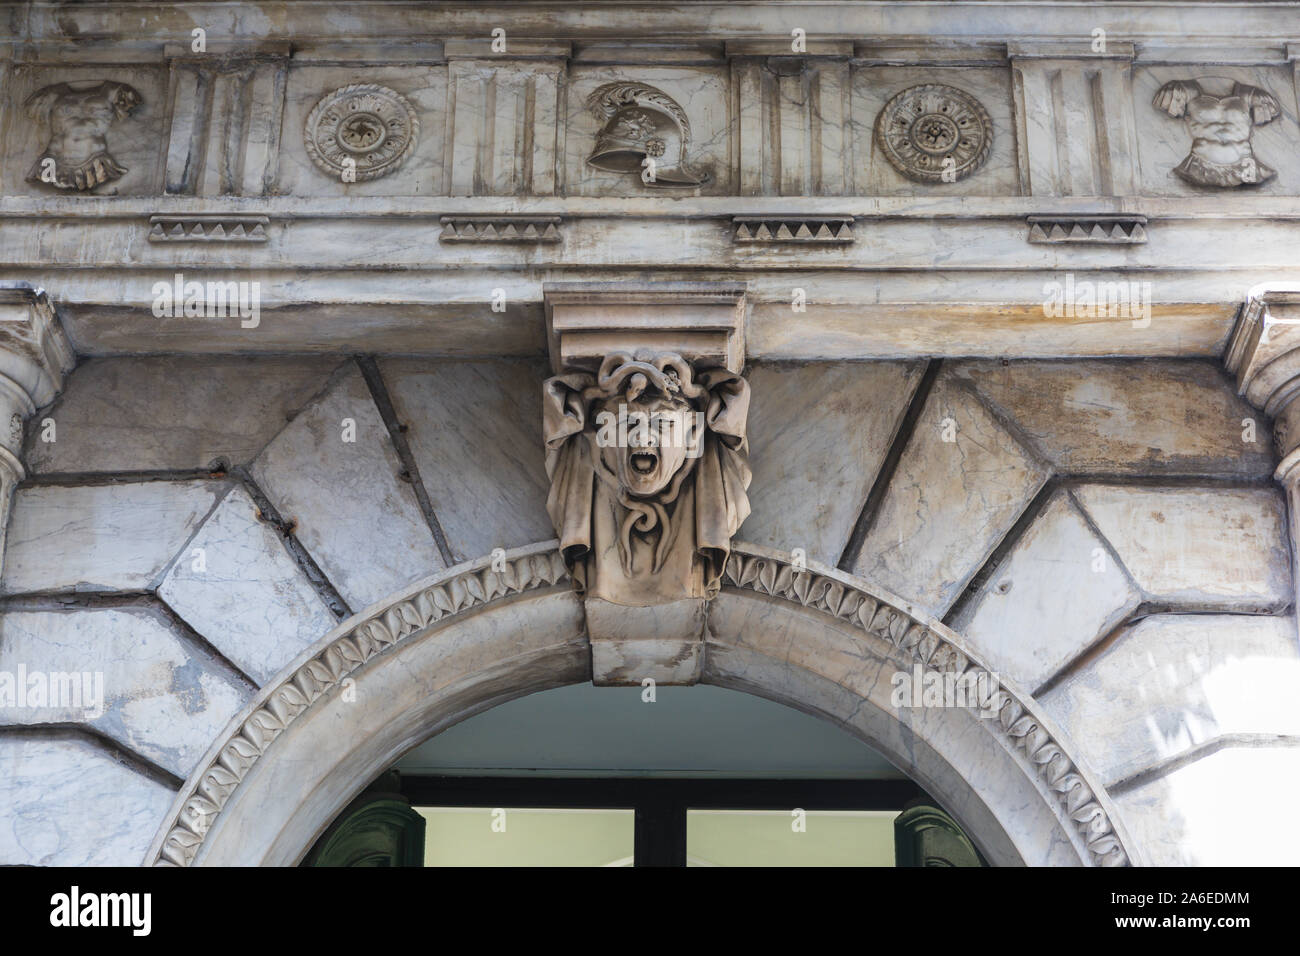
846, 232
489, 231
784, 232
763, 232
468, 231
530, 231
1058, 232
238, 231
177, 230
1036, 232
157, 230
1139, 234
743, 233
218, 232
510, 232
1117, 231
804, 232
551, 232
825, 232
197, 231
258, 232
1078, 232
1098, 232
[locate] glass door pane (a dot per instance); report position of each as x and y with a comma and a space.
786, 838
480, 836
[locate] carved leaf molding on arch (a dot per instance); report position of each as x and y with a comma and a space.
928, 644
477, 585
474, 587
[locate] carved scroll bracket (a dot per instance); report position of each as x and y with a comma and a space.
646, 449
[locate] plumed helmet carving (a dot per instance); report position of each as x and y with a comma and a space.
639, 122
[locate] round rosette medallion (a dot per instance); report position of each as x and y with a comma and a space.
925, 130
366, 128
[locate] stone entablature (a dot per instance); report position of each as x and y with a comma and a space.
795, 102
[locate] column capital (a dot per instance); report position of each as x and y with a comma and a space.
1263, 355
35, 353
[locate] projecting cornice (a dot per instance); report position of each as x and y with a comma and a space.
1149, 24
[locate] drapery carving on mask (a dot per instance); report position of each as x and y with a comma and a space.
649, 471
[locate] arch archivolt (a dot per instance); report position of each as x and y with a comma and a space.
472, 637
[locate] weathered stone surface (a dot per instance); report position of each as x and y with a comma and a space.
238, 587
1217, 547
101, 537
1144, 417
817, 434
475, 429
135, 414
1056, 592
161, 696
1172, 682
1185, 818
358, 520
68, 802
950, 502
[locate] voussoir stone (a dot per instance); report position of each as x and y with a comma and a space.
818, 433
238, 586
163, 697
949, 502
1172, 682
101, 537
361, 523
1132, 417
172, 412
475, 431
1216, 547
69, 802
1056, 592
1178, 819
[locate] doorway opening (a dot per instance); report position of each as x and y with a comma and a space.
698, 776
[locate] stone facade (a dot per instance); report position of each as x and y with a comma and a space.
1013, 328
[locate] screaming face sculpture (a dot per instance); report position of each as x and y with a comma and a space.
648, 469
77, 156
1220, 127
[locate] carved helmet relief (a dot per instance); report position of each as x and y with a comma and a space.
1220, 115
645, 132
648, 462
934, 133
79, 115
361, 132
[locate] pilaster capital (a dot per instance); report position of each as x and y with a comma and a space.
1263, 355
35, 356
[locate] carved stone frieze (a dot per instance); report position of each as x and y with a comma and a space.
500, 229
645, 132
834, 230
208, 228
1220, 125
361, 132
79, 115
1112, 230
934, 133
